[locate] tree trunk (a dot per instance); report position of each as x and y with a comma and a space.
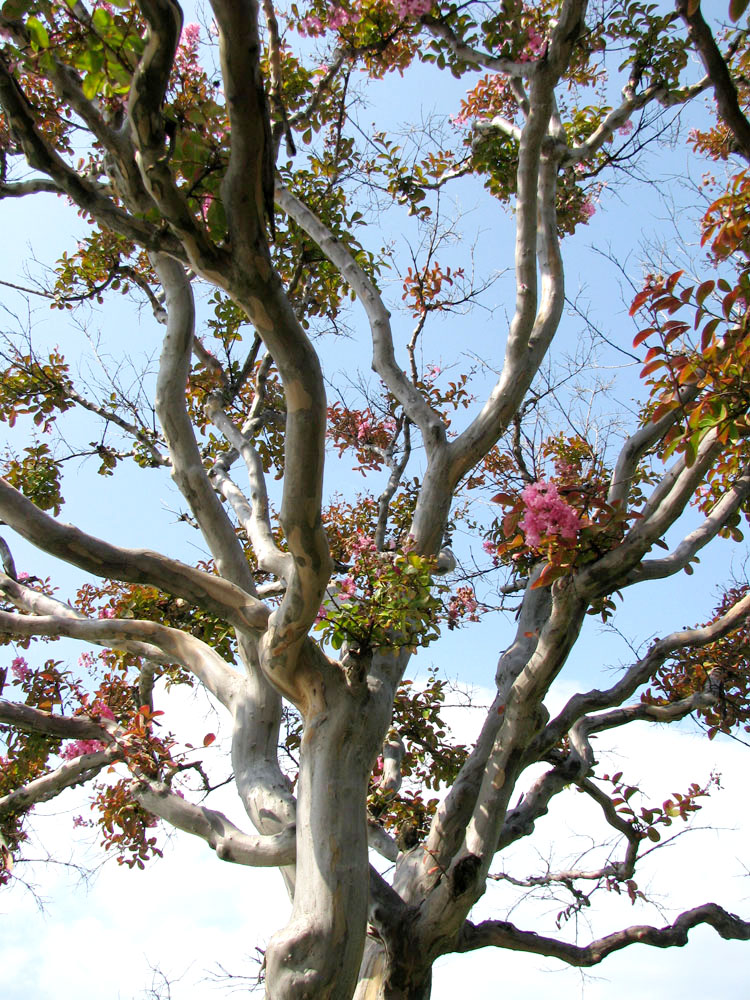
382, 978
318, 954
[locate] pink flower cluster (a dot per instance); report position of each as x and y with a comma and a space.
362, 544
587, 209
412, 8
535, 45
190, 36
547, 514
20, 669
187, 51
339, 18
463, 605
364, 429
311, 26
79, 747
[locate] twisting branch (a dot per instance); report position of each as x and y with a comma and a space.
475, 57
397, 471
83, 192
639, 712
187, 466
694, 541
664, 506
274, 64
534, 322
144, 110
639, 674
254, 517
63, 727
502, 934
219, 678
383, 358
34, 602
340, 56
620, 115
131, 565
73, 772
519, 821
229, 842
119, 158
247, 187
20, 189
638, 444
454, 812
624, 869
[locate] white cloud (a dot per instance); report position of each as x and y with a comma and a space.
191, 912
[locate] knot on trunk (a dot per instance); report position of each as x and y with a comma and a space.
464, 874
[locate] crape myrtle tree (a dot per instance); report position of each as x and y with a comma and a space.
226, 165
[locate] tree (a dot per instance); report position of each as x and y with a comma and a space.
256, 192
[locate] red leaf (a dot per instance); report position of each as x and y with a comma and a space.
640, 298
673, 279
643, 335
652, 366
208, 739
704, 291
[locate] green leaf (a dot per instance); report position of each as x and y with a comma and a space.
38, 33
93, 84
101, 20
736, 8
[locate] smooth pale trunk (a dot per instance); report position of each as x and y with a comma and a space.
318, 953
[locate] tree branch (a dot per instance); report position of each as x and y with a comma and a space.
636, 446
145, 101
639, 674
188, 470
48, 786
730, 503
718, 71
131, 565
383, 356
220, 679
255, 516
85, 194
247, 187
229, 842
64, 727
501, 934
